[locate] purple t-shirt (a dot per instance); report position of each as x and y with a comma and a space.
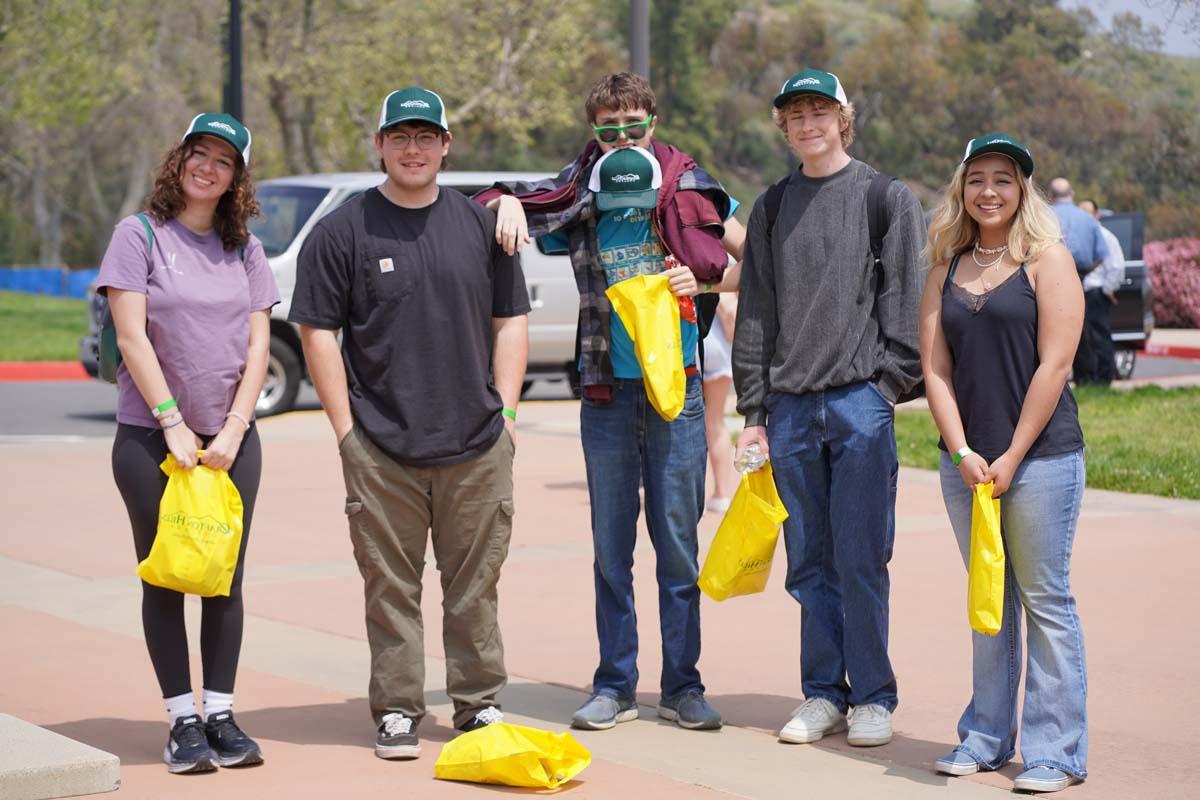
198, 302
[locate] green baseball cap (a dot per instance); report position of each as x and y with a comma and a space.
812, 81
626, 177
1003, 144
223, 126
413, 104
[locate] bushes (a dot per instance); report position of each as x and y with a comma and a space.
1174, 267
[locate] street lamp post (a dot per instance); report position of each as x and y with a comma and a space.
233, 60
639, 37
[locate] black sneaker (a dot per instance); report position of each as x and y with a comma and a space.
232, 747
397, 737
486, 716
187, 748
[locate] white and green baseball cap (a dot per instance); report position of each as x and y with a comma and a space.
413, 104
812, 81
1003, 144
626, 177
223, 126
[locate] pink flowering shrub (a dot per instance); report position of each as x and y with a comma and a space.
1174, 267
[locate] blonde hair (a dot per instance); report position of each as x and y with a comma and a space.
952, 230
845, 114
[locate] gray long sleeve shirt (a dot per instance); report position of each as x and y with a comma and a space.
811, 312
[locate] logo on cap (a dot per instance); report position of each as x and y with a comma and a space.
223, 126
414, 104
627, 177
806, 82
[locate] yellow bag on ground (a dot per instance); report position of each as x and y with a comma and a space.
985, 574
650, 314
512, 755
199, 532
739, 560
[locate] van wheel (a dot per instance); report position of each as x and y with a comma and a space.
1126, 360
282, 382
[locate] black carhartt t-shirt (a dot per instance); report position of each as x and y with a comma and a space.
414, 292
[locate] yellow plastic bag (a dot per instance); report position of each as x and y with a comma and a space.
512, 755
739, 560
199, 532
985, 574
651, 315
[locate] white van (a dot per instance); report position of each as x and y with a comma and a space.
291, 206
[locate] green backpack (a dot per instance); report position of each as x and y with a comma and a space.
110, 354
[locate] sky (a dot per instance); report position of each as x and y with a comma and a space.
1152, 12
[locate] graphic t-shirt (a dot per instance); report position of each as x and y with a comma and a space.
198, 302
629, 247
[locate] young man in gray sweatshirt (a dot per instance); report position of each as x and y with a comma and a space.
825, 344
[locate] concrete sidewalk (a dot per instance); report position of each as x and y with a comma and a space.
75, 661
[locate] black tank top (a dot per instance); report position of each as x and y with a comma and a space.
993, 343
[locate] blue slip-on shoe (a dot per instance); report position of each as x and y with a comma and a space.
690, 710
602, 712
1044, 779
956, 763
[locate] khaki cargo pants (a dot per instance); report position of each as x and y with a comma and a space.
391, 509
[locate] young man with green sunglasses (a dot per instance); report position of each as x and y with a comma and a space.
617, 220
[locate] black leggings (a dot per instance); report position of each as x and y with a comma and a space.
137, 453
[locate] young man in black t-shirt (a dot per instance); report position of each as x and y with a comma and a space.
422, 396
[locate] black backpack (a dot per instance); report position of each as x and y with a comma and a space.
877, 227
109, 357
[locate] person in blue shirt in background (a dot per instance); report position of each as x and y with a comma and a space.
1085, 239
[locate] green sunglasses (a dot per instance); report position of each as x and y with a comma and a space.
633, 131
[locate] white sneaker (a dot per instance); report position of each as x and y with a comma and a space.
870, 726
812, 720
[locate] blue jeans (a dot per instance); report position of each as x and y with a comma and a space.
1037, 516
627, 444
833, 453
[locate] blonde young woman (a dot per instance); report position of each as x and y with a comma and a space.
191, 293
1000, 320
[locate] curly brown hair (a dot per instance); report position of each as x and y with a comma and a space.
237, 205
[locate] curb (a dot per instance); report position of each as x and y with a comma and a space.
1170, 351
22, 371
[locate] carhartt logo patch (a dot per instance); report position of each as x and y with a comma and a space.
414, 104
223, 126
386, 265
627, 177
805, 82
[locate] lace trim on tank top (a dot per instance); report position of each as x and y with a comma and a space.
976, 302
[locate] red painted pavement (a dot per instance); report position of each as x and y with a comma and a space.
42, 371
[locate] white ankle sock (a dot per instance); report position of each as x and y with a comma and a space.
216, 702
181, 705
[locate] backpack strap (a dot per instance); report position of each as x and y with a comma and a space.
773, 200
877, 216
149, 231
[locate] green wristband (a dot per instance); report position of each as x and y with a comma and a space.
511, 413
164, 406
962, 453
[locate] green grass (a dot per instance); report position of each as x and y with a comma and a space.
40, 328
1144, 440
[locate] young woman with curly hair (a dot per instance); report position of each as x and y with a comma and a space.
1000, 320
191, 292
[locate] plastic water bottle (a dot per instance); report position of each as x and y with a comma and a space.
751, 459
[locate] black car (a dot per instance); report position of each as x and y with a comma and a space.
1132, 317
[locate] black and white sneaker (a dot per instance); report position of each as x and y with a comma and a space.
187, 747
397, 737
486, 716
232, 747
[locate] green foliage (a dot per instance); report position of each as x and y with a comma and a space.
38, 328
1141, 440
94, 92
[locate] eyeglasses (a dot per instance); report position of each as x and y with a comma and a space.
633, 131
426, 140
